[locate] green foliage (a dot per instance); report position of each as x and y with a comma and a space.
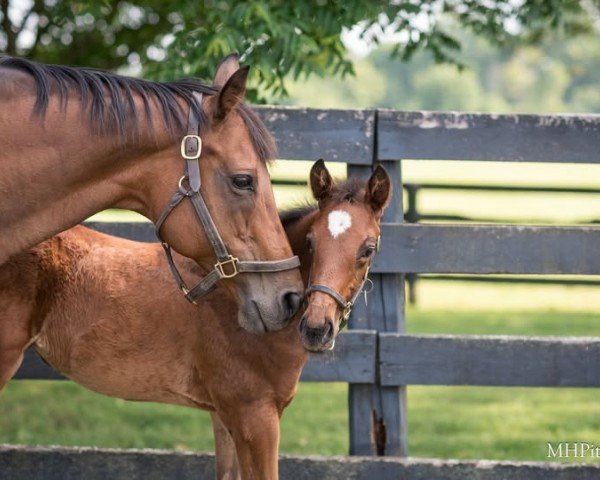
278, 38
561, 74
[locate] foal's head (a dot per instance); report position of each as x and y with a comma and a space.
343, 240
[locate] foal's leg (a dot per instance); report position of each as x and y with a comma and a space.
15, 335
255, 431
226, 458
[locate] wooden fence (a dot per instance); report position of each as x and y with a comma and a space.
413, 215
375, 357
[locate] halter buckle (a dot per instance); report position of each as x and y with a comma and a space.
186, 292
231, 260
191, 156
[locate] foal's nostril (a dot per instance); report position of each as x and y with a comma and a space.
328, 330
316, 337
291, 303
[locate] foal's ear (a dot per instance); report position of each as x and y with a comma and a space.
321, 182
379, 190
232, 93
227, 67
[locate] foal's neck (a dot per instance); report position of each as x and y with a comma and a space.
296, 232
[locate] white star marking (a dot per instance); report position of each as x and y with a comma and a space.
338, 222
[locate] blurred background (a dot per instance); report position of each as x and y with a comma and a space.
540, 56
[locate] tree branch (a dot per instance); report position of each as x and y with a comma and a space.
26, 16
11, 37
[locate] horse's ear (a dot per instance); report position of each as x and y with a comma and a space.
379, 190
321, 182
227, 67
232, 93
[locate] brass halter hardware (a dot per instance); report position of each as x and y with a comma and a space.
196, 154
232, 261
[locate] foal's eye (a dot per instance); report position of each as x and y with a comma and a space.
243, 182
368, 252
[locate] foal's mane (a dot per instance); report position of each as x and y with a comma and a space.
350, 191
112, 99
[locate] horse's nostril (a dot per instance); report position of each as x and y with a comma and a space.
328, 330
291, 303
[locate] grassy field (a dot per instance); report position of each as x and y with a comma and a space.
446, 422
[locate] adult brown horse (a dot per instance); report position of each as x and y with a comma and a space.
77, 141
104, 312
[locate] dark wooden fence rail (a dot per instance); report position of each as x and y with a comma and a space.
60, 463
376, 357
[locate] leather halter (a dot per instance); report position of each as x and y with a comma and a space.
227, 265
346, 305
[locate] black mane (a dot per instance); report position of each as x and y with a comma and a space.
112, 99
351, 191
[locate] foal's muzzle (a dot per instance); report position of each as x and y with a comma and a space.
317, 339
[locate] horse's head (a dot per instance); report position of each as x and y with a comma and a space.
237, 190
343, 239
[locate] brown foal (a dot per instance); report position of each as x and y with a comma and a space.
77, 141
105, 312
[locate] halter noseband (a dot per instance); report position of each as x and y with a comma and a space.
227, 265
345, 305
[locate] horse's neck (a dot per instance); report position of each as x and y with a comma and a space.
55, 172
30, 282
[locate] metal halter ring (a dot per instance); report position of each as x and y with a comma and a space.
233, 261
196, 155
347, 310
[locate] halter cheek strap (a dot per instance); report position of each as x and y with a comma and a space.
227, 266
346, 306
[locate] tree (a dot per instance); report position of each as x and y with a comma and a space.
279, 38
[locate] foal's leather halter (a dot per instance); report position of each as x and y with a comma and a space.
345, 305
227, 265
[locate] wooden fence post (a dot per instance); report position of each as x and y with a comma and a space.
378, 423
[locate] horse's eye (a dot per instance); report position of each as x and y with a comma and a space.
368, 252
243, 182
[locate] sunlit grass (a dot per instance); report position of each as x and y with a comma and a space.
444, 422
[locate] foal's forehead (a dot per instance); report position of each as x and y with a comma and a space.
345, 221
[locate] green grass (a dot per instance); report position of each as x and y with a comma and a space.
444, 422
504, 323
